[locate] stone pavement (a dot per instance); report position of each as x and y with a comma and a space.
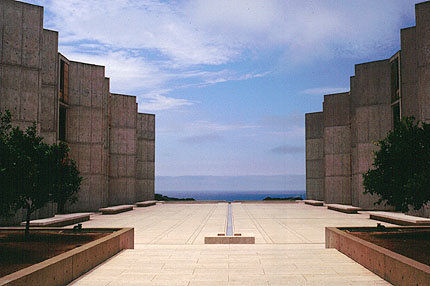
289, 247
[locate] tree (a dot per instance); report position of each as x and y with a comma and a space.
401, 167
66, 176
8, 196
35, 172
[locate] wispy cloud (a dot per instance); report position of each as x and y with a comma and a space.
200, 125
203, 138
324, 90
287, 149
156, 101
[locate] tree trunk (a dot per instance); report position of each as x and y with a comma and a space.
27, 225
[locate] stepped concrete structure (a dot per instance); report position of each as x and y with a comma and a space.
340, 139
112, 143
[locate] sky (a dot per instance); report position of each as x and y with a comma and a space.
229, 80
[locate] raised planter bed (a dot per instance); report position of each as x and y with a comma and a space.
393, 266
65, 267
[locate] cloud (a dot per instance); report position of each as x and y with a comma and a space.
324, 90
287, 149
199, 139
156, 101
200, 125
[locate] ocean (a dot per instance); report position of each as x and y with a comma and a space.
232, 195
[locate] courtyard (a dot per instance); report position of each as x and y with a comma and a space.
289, 247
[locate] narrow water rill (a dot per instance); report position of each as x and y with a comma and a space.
229, 236
229, 229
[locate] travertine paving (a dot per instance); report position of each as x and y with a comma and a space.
289, 247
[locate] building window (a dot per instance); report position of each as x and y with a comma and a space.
64, 81
62, 123
396, 105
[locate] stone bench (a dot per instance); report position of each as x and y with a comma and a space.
314, 203
60, 220
343, 208
116, 209
399, 218
146, 203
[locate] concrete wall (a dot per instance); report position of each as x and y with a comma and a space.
145, 168
122, 144
20, 64
49, 96
314, 130
371, 102
337, 148
409, 72
422, 14
105, 135
85, 132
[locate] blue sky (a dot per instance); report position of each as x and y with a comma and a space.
229, 81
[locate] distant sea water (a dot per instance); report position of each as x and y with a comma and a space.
232, 195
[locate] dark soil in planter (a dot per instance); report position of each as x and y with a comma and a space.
17, 253
412, 243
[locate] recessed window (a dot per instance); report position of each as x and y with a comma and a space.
64, 81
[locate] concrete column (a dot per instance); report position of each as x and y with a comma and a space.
337, 148
314, 156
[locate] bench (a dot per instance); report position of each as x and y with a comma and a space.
343, 208
60, 220
116, 209
399, 218
145, 204
314, 203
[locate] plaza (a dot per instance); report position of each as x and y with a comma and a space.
289, 247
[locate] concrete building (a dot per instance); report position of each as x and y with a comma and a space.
340, 139
111, 142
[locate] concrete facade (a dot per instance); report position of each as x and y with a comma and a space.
381, 92
71, 102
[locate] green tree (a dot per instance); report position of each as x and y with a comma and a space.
401, 167
66, 176
35, 172
8, 196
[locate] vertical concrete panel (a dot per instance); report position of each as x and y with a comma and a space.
32, 36
145, 157
12, 32
122, 149
422, 12
371, 95
409, 73
314, 130
87, 127
337, 148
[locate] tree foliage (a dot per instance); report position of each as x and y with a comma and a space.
401, 167
33, 173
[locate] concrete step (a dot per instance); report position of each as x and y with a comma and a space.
343, 208
314, 203
399, 218
146, 203
116, 209
60, 220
